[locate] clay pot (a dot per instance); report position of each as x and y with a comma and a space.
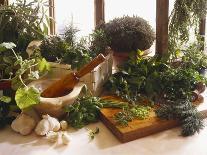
5, 85
120, 57
54, 106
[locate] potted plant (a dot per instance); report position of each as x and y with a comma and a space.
21, 22
127, 34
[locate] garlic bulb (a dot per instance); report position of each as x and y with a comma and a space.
47, 124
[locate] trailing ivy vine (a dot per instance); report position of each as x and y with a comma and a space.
184, 19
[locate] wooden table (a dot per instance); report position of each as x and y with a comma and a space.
105, 143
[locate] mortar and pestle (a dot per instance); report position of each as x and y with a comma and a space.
57, 93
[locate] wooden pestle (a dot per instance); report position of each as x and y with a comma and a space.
68, 82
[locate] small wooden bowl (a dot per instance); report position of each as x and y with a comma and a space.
54, 106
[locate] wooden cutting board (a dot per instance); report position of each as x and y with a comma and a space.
137, 128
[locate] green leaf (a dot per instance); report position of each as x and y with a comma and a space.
43, 65
5, 99
4, 46
27, 97
45, 29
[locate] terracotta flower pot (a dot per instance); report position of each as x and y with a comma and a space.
120, 57
5, 85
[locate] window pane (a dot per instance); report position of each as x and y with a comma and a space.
80, 12
145, 9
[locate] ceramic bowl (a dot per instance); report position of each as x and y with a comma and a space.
54, 106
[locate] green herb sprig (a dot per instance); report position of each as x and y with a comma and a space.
86, 110
92, 133
130, 113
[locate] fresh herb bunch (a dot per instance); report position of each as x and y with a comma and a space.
98, 42
194, 57
128, 34
130, 113
70, 34
137, 77
22, 22
77, 55
184, 19
161, 83
53, 48
185, 112
179, 83
86, 110
66, 49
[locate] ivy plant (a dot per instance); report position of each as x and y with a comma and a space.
28, 69
184, 20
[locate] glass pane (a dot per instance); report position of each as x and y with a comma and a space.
145, 9
80, 12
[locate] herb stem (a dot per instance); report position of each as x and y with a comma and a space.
20, 77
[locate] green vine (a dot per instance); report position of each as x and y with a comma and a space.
184, 19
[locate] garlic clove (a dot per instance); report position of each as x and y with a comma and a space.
65, 139
52, 136
63, 125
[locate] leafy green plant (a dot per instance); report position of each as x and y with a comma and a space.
66, 49
22, 22
25, 96
77, 55
194, 57
70, 34
129, 34
53, 48
185, 19
98, 42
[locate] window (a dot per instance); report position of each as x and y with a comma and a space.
145, 9
80, 12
